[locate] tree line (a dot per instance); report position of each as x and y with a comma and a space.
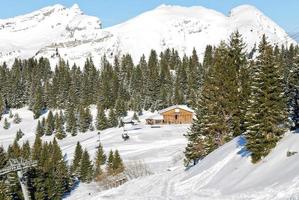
53, 176
252, 95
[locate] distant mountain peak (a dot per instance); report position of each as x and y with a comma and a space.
76, 8
77, 36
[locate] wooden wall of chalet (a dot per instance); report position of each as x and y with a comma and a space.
181, 117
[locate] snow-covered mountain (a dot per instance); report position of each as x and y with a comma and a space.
77, 36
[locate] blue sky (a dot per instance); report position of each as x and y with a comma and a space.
111, 12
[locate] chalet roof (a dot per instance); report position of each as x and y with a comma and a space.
183, 107
156, 116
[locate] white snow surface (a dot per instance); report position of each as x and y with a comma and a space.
77, 36
225, 174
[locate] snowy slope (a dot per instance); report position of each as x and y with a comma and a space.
226, 173
159, 148
77, 36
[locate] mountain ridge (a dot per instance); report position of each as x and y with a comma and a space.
77, 36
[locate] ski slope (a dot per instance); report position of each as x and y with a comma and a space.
225, 174
159, 148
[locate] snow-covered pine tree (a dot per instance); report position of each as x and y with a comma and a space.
266, 117
101, 120
17, 119
6, 124
59, 127
112, 118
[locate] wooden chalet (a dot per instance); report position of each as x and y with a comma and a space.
177, 114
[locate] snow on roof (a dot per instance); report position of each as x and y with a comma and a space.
183, 107
156, 116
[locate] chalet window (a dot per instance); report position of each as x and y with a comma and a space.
176, 117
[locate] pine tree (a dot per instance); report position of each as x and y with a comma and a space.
3, 157
75, 167
17, 119
218, 107
59, 173
109, 165
120, 107
100, 160
112, 119
39, 129
266, 115
135, 117
2, 106
50, 124
195, 149
59, 127
10, 114
101, 120
38, 105
37, 148
26, 151
14, 150
86, 172
19, 134
71, 121
84, 119
6, 124
117, 164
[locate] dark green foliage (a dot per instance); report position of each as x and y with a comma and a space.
6, 124
4, 191
50, 124
14, 150
59, 127
10, 114
109, 165
101, 120
19, 134
266, 117
71, 121
99, 161
17, 119
86, 168
26, 150
135, 117
2, 106
114, 163
117, 163
38, 104
37, 148
3, 157
85, 119
237, 97
39, 129
112, 119
75, 167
